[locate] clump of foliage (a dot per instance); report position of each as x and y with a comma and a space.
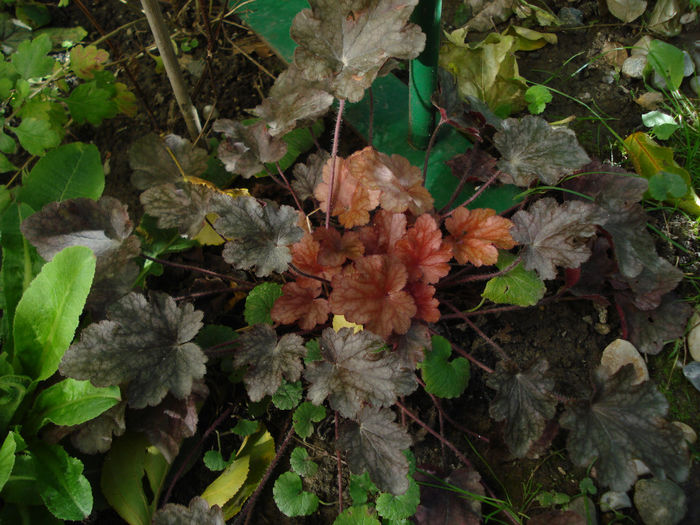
345, 290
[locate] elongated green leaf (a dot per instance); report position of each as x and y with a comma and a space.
121, 479
71, 402
48, 313
70, 171
12, 391
20, 263
7, 458
62, 486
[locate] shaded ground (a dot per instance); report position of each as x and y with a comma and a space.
571, 335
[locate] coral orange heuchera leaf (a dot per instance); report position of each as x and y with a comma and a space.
352, 202
335, 249
400, 183
426, 304
305, 258
476, 235
370, 292
299, 303
423, 252
387, 228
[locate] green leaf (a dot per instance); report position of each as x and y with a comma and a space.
362, 515
313, 351
662, 125
84, 61
36, 136
92, 103
31, 60
519, 286
62, 486
667, 60
288, 395
304, 415
5, 164
291, 499
537, 98
666, 186
48, 313
7, 143
442, 377
213, 460
259, 303
298, 141
122, 479
71, 402
7, 458
12, 391
70, 171
301, 463
360, 487
246, 427
20, 263
22, 485
399, 507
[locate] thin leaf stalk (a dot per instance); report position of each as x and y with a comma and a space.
431, 143
243, 285
486, 276
466, 354
289, 187
501, 353
471, 199
334, 158
447, 443
247, 511
340, 467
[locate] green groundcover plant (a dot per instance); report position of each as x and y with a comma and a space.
343, 291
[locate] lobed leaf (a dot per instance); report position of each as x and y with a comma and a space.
623, 421
92, 102
146, 344
84, 61
444, 378
269, 360
423, 252
288, 395
246, 149
183, 205
308, 175
261, 235
95, 436
304, 415
300, 303
157, 161
533, 150
198, 512
476, 234
301, 463
523, 401
555, 235
352, 373
259, 303
291, 499
519, 286
374, 443
346, 43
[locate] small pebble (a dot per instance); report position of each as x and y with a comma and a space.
659, 501
633, 67
614, 501
688, 64
691, 371
640, 468
584, 507
641, 46
608, 77
620, 353
688, 433
694, 335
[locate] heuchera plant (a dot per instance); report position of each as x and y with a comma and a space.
364, 248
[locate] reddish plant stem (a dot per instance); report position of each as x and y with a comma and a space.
496, 310
471, 199
308, 275
431, 143
466, 354
340, 467
314, 138
116, 52
501, 353
221, 349
243, 285
334, 158
247, 511
192, 452
289, 187
447, 443
438, 407
486, 276
197, 295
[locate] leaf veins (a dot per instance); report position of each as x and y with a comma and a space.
246, 149
422, 251
476, 234
301, 303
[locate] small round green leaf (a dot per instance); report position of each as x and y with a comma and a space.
399, 507
301, 462
444, 378
362, 515
291, 499
246, 427
304, 415
259, 303
288, 395
213, 460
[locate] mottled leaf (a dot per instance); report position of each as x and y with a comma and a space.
374, 443
169, 423
157, 161
309, 174
198, 512
622, 422
246, 149
353, 373
269, 360
531, 149
291, 499
293, 99
346, 43
288, 395
523, 401
555, 235
261, 235
183, 206
95, 436
145, 344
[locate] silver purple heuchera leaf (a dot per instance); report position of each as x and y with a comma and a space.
198, 512
353, 373
309, 174
261, 235
158, 161
555, 235
621, 422
523, 401
374, 443
293, 99
183, 206
245, 149
346, 42
95, 436
269, 360
531, 149
146, 344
